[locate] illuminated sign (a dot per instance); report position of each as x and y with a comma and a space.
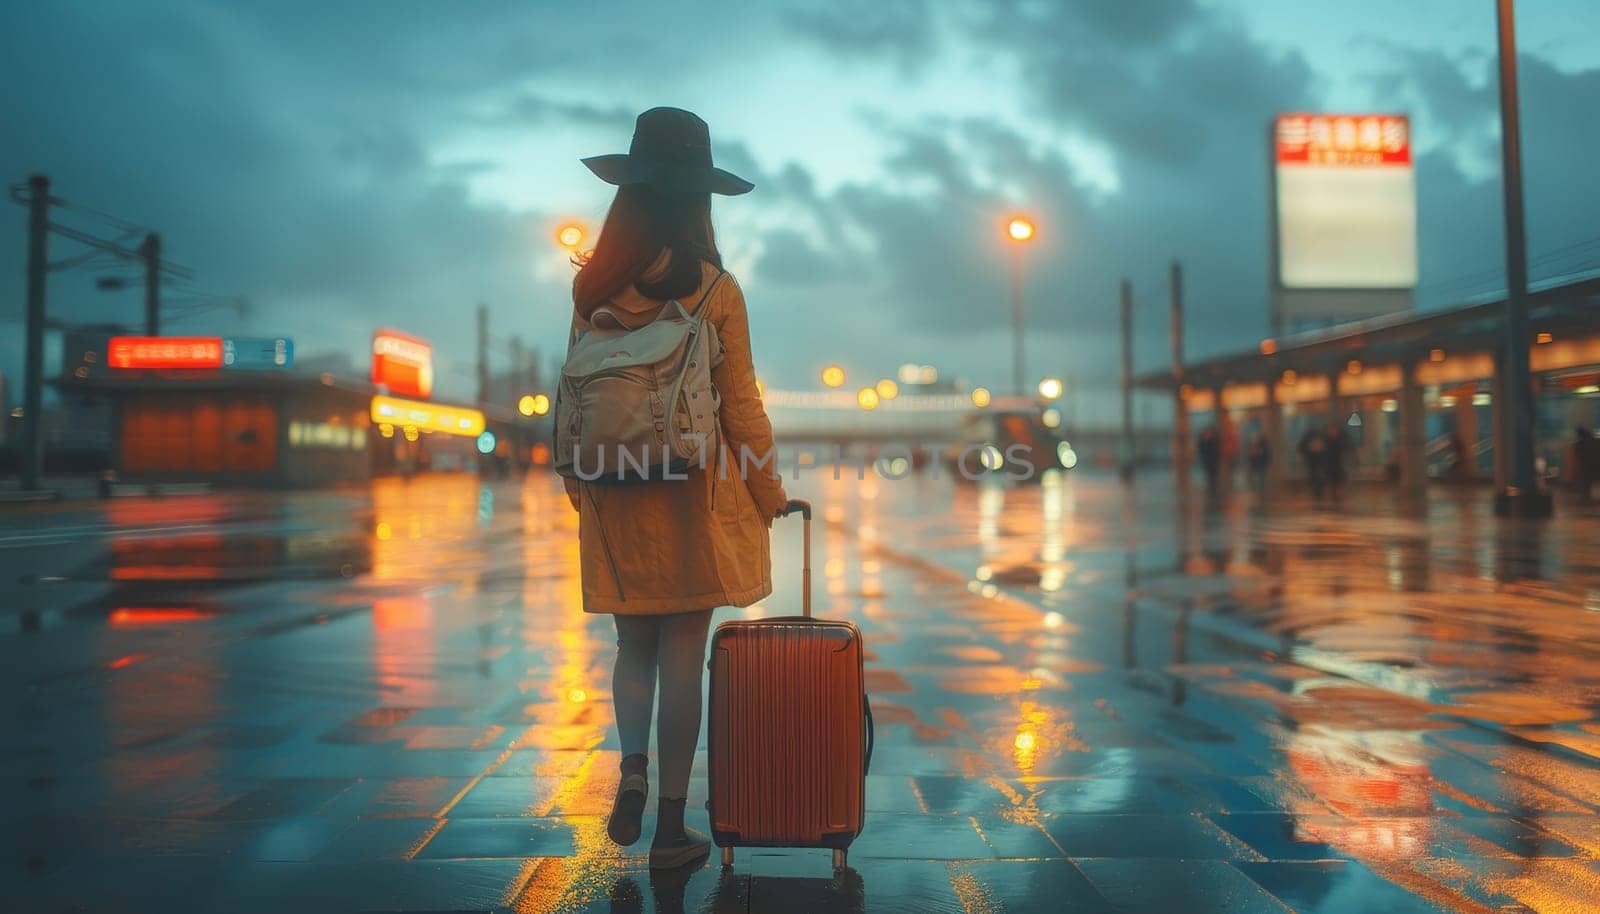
402, 363
1346, 213
164, 352
1345, 140
427, 417
255, 354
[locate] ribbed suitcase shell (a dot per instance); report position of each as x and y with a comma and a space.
786, 736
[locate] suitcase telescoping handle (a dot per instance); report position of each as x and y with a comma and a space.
804, 508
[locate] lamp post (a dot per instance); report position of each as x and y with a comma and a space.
1520, 494
1019, 231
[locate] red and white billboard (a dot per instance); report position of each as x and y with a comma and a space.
1344, 139
402, 363
164, 352
1346, 207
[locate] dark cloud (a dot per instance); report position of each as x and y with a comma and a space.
1159, 81
1456, 100
330, 225
540, 110
899, 31
789, 258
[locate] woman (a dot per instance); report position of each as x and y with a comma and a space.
659, 556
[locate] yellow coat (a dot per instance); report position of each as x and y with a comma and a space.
651, 548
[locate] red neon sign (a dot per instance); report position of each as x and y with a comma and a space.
164, 352
402, 363
1344, 139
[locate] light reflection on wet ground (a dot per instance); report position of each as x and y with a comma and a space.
390, 700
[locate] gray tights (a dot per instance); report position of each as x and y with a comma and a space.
672, 647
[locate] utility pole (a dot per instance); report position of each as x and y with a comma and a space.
483, 354
1127, 381
1180, 408
150, 250
1521, 495
32, 452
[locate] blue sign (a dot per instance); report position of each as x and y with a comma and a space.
257, 354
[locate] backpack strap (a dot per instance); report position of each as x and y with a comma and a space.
709, 289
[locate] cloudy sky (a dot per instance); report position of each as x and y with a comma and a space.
344, 166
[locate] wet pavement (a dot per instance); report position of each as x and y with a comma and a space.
388, 699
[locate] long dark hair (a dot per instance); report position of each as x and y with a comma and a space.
641, 223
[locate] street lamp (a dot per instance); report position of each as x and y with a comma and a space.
1051, 389
867, 398
887, 389
1019, 231
833, 376
981, 397
533, 405
570, 235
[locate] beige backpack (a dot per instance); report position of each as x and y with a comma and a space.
637, 405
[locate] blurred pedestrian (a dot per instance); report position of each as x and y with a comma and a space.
1259, 458
1333, 460
1313, 449
1209, 449
1458, 458
660, 555
1584, 461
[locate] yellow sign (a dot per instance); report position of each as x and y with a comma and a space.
428, 417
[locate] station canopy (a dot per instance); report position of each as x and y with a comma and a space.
1568, 312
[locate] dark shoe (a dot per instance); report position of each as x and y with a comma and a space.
674, 845
691, 847
627, 810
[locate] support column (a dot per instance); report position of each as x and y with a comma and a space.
1467, 429
1521, 494
1272, 429
1334, 411
1227, 439
1498, 402
1413, 435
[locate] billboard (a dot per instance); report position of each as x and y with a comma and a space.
1345, 214
402, 363
164, 352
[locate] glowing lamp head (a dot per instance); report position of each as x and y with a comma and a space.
833, 376
887, 389
541, 404
867, 398
1019, 229
569, 236
1051, 388
525, 405
981, 397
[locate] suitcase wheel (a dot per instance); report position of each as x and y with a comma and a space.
727, 856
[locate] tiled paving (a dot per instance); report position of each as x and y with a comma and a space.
1087, 702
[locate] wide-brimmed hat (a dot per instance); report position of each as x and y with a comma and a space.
671, 151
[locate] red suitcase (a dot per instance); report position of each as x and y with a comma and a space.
789, 737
